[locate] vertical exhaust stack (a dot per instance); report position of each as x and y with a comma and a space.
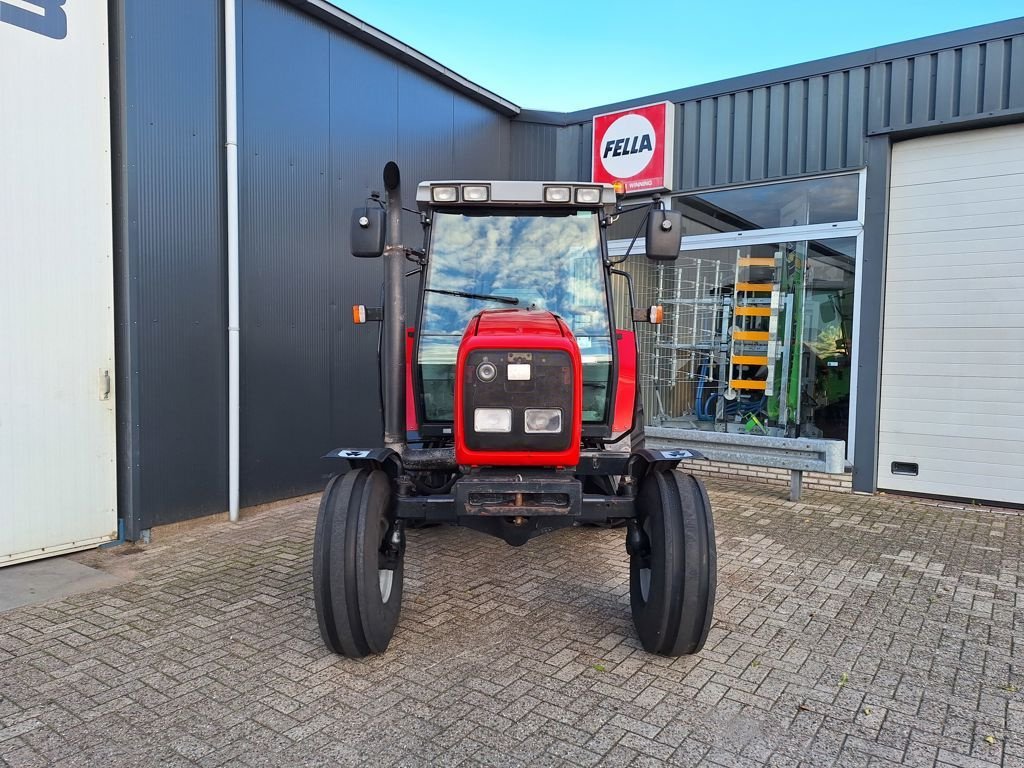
394, 315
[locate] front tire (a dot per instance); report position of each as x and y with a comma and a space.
673, 570
357, 566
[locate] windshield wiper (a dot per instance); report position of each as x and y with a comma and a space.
481, 296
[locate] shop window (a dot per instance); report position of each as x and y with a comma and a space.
756, 339
783, 204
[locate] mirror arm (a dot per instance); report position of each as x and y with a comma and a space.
643, 222
619, 210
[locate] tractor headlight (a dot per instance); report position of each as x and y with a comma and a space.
492, 419
543, 421
445, 194
557, 194
475, 194
588, 195
486, 372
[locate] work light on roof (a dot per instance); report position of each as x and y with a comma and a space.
588, 195
475, 194
557, 194
445, 194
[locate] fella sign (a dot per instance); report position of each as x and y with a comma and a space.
635, 146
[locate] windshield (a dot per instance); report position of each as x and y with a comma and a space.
549, 260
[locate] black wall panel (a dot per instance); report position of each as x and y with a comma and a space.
175, 258
284, 249
319, 115
533, 151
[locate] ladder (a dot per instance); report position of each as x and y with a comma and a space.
751, 343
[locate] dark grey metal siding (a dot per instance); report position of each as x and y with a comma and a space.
534, 149
320, 113
173, 275
285, 249
819, 121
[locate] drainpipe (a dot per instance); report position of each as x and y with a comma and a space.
231, 161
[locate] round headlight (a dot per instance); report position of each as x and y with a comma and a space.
486, 372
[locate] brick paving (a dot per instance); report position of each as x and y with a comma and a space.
849, 630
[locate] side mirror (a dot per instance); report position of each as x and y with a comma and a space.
664, 233
827, 312
367, 237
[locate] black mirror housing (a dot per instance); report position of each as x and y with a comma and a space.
664, 233
827, 312
367, 238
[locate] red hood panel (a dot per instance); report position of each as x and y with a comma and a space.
506, 322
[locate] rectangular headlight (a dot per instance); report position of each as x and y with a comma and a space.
518, 371
588, 195
492, 420
557, 194
444, 194
543, 421
474, 194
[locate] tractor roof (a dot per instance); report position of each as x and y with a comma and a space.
534, 194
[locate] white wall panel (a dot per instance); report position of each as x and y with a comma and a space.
953, 335
57, 422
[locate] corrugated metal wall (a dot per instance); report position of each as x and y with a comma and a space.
320, 114
534, 150
818, 123
317, 126
175, 252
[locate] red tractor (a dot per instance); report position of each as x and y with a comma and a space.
505, 408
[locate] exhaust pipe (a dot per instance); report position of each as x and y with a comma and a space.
394, 315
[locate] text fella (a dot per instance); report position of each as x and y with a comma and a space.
627, 146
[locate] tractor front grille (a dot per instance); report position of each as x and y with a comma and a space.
550, 386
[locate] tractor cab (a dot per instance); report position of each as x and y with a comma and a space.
525, 415
513, 245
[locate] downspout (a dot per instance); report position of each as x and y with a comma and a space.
231, 162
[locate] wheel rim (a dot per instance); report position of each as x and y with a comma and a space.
645, 583
385, 576
644, 574
387, 580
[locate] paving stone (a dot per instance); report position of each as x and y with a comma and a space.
849, 630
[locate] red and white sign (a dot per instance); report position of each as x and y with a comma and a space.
635, 146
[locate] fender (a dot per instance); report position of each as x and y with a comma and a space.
374, 458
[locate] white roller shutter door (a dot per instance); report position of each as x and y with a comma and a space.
952, 391
58, 477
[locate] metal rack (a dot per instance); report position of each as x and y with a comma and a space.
686, 348
721, 357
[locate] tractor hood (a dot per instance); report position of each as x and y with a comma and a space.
517, 322
518, 391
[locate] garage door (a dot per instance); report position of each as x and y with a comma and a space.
58, 479
952, 397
